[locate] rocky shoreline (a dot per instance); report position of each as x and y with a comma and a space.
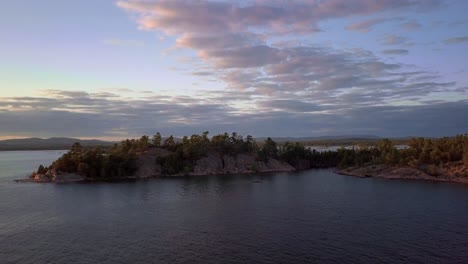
455, 172
217, 163
213, 164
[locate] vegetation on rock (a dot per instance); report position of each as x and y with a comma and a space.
120, 160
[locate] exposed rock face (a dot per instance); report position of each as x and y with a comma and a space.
214, 163
147, 165
273, 165
211, 164
449, 172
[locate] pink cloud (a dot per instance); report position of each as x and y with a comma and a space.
176, 16
365, 26
235, 39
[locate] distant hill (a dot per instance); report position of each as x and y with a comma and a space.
48, 144
345, 140
281, 139
65, 143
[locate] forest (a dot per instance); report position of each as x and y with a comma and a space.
120, 160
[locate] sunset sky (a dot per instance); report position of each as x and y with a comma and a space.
117, 69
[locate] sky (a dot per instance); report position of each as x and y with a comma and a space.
120, 69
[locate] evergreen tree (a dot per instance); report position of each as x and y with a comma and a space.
157, 139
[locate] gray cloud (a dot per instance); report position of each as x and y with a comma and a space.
242, 57
396, 52
185, 115
411, 25
394, 40
365, 26
291, 106
90, 115
456, 40
276, 85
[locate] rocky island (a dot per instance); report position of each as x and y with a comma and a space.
444, 159
190, 156
214, 163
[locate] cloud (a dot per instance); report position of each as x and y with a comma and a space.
276, 84
365, 26
238, 43
279, 81
242, 57
291, 106
396, 52
411, 25
234, 40
199, 17
456, 40
221, 41
66, 115
394, 40
183, 115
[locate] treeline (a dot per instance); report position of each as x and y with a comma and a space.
370, 142
190, 149
120, 159
419, 152
98, 163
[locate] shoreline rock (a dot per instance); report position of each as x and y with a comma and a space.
449, 173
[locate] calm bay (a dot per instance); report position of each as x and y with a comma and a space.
313, 216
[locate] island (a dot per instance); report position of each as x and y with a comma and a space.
443, 159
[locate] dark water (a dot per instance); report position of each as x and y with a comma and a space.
309, 217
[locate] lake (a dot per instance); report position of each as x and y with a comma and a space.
313, 216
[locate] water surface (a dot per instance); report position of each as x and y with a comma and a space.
313, 216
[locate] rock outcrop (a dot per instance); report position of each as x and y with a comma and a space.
147, 165
215, 163
450, 172
54, 176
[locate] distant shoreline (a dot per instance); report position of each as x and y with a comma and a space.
32, 144
17, 150
59, 143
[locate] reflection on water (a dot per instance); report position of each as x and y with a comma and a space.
311, 216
